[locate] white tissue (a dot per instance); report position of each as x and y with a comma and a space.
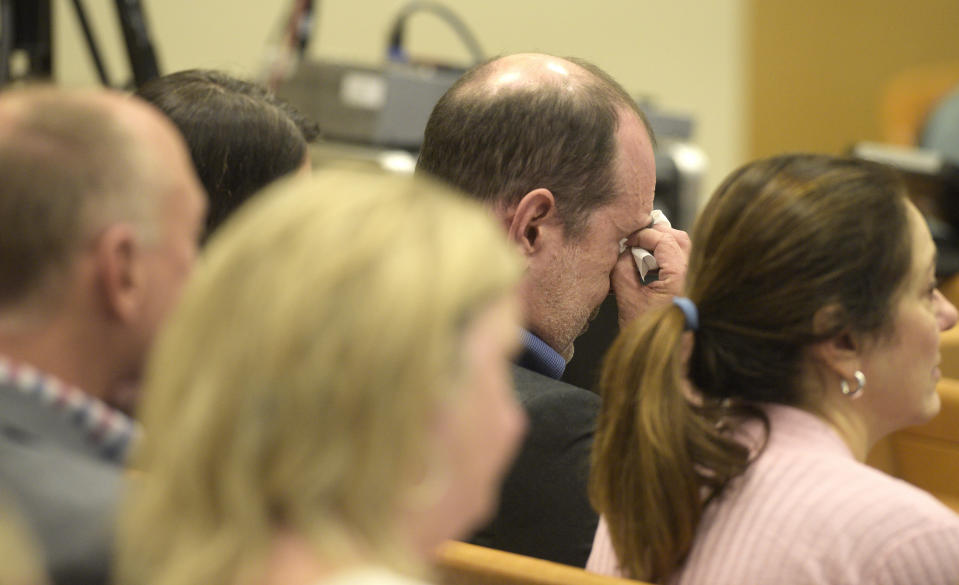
658, 216
645, 261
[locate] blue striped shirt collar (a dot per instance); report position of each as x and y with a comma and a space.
540, 357
110, 431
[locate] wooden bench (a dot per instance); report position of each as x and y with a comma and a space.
459, 563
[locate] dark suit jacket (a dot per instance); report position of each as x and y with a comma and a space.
544, 509
64, 489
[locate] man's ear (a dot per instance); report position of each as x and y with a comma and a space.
840, 353
535, 213
119, 271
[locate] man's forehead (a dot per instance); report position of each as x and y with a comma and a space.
635, 212
635, 165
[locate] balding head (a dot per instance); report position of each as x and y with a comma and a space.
530, 121
72, 163
536, 72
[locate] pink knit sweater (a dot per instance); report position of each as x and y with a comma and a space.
806, 512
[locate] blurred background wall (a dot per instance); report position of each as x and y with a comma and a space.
686, 55
758, 76
818, 68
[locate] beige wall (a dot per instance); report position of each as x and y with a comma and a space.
818, 66
760, 76
685, 54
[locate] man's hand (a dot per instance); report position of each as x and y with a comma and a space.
670, 247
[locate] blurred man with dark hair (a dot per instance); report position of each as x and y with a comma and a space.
240, 135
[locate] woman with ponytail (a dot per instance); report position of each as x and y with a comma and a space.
735, 422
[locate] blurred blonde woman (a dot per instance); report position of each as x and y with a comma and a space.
19, 555
332, 398
735, 423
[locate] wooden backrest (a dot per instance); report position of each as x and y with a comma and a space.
459, 563
949, 352
908, 97
928, 455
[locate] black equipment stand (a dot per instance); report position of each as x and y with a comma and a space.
26, 25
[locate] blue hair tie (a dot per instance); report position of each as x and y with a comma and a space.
688, 307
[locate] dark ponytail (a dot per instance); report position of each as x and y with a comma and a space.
651, 447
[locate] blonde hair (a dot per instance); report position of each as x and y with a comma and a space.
19, 550
293, 387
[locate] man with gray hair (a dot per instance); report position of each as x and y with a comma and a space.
100, 211
563, 157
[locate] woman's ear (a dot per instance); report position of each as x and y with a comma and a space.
841, 352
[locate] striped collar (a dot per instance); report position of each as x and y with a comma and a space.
108, 430
540, 357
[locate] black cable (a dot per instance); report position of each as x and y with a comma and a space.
136, 37
91, 42
302, 26
396, 51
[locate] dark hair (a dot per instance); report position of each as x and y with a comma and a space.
781, 240
499, 146
241, 137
